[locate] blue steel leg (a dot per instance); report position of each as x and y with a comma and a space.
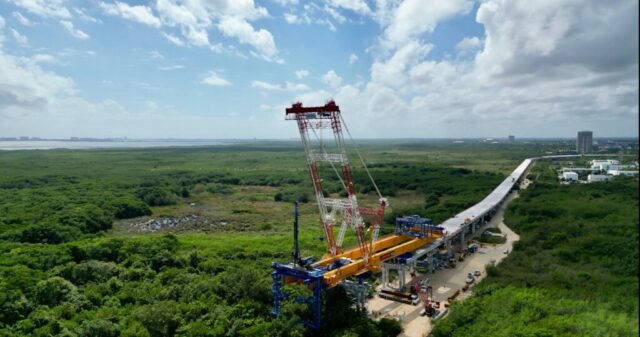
317, 304
277, 294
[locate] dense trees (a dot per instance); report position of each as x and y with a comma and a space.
61, 275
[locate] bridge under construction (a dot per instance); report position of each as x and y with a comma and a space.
415, 241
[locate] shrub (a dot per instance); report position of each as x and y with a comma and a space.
156, 197
55, 291
130, 208
51, 234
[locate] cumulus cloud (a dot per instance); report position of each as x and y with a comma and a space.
44, 8
173, 39
287, 86
141, 14
171, 67
302, 73
213, 79
543, 69
331, 79
468, 43
21, 19
261, 40
44, 58
353, 58
415, 17
77, 33
232, 18
286, 2
20, 39
291, 18
358, 6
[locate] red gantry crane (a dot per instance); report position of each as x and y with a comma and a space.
313, 120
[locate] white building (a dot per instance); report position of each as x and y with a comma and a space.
592, 178
570, 176
622, 173
605, 165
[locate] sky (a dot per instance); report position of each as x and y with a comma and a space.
219, 69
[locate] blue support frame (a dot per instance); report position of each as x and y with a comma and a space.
312, 278
416, 226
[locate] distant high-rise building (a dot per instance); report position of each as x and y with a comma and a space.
512, 138
584, 143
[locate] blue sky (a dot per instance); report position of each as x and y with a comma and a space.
227, 69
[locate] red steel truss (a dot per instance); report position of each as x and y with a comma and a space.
347, 210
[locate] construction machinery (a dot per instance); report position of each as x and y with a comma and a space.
425, 294
413, 239
339, 264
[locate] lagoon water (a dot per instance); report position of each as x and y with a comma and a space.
66, 144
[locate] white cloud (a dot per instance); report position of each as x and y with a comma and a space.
172, 67
77, 33
213, 79
154, 54
44, 8
334, 14
358, 6
469, 43
332, 79
84, 16
291, 18
353, 58
415, 17
20, 39
287, 86
141, 14
173, 39
528, 76
194, 19
392, 72
302, 73
261, 40
286, 2
314, 14
23, 21
44, 58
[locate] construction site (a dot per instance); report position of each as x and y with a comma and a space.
421, 266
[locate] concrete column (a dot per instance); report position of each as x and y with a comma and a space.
462, 240
385, 277
448, 245
430, 258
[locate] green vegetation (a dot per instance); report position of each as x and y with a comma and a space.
574, 271
74, 262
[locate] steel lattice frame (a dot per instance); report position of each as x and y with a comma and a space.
314, 118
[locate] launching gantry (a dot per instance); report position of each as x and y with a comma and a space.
338, 264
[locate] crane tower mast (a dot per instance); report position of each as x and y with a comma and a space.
312, 120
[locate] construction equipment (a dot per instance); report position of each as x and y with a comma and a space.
340, 264
316, 119
425, 293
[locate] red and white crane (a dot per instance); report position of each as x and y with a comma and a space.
313, 120
425, 293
